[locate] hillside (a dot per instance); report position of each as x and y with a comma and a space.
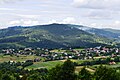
49, 36
109, 33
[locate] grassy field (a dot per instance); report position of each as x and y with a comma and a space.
59, 51
21, 58
49, 65
79, 49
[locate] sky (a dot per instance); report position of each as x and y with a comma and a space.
92, 13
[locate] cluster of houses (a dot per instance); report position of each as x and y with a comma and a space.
103, 51
48, 55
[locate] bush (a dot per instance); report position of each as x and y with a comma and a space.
27, 64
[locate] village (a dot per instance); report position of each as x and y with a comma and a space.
25, 60
108, 55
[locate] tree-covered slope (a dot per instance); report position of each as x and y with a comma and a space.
49, 36
105, 32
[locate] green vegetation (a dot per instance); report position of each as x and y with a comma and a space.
49, 36
48, 65
31, 53
65, 71
21, 58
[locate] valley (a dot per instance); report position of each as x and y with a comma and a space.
40, 50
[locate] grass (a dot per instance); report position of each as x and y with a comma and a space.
57, 50
115, 65
37, 65
48, 65
78, 68
81, 61
79, 49
21, 58
51, 64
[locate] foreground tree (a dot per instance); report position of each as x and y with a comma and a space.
7, 77
63, 72
85, 74
105, 73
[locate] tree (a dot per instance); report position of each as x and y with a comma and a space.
63, 72
34, 77
85, 74
105, 73
8, 77
27, 64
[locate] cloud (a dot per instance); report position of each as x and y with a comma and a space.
98, 14
7, 9
52, 21
30, 22
113, 25
8, 1
117, 22
12, 9
93, 24
69, 20
98, 4
24, 22
14, 22
29, 16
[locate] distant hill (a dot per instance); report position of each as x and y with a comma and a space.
109, 33
50, 36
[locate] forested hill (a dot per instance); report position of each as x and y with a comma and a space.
49, 36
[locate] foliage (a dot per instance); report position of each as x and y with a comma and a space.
104, 73
65, 71
49, 36
27, 64
85, 74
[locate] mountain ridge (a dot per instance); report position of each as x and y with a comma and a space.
49, 36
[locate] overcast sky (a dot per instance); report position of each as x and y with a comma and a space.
92, 13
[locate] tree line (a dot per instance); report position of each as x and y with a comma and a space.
65, 71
